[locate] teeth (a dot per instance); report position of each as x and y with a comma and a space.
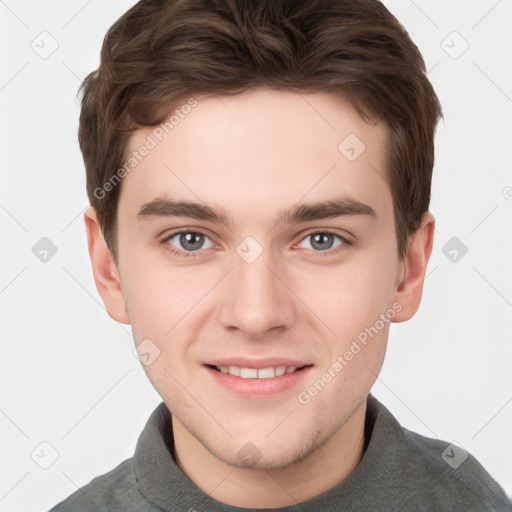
280, 370
254, 373
266, 373
248, 373
234, 370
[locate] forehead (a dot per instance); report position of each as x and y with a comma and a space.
263, 149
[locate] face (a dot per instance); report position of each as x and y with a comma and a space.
257, 239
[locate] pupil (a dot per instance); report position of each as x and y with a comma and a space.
188, 240
322, 241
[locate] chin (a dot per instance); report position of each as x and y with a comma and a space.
263, 454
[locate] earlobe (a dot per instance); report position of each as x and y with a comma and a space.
106, 275
413, 267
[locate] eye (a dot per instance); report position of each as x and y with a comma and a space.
323, 240
188, 241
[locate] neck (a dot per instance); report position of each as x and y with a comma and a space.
323, 469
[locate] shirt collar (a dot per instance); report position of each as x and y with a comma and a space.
163, 483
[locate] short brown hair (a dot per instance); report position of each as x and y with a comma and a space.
161, 51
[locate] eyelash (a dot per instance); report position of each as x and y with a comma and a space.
194, 254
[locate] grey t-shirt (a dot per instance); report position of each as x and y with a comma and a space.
399, 471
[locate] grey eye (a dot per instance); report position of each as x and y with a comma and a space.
190, 241
322, 241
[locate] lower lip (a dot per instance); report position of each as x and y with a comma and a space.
258, 387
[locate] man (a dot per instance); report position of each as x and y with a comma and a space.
259, 176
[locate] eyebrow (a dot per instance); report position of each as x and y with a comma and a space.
338, 207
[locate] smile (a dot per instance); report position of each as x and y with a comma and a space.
258, 379
256, 373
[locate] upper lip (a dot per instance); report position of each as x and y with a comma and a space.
268, 362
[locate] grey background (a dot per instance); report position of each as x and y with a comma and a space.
69, 378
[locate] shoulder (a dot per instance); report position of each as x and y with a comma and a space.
451, 474
419, 473
116, 490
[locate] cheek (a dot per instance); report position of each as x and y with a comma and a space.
159, 295
352, 309
350, 297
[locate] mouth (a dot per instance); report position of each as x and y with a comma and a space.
257, 373
258, 379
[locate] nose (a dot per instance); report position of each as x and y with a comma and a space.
257, 299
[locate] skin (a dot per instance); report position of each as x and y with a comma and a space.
256, 154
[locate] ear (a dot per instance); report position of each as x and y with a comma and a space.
106, 276
411, 274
